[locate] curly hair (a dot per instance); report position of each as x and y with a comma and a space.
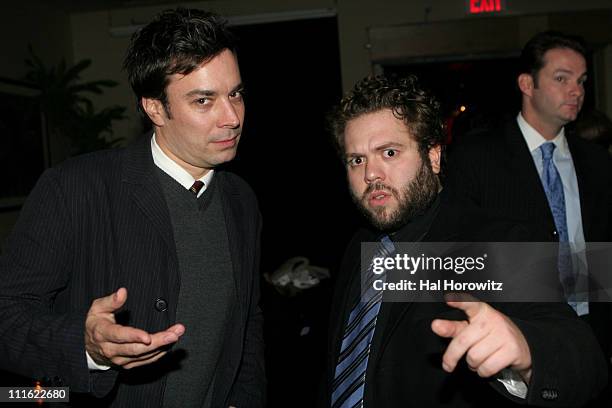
176, 42
417, 108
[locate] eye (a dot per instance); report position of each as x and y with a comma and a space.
354, 161
582, 80
389, 152
237, 94
202, 101
560, 79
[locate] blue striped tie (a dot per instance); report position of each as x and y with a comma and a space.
349, 378
553, 187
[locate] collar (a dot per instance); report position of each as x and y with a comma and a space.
171, 168
534, 139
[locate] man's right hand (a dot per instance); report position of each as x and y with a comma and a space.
110, 343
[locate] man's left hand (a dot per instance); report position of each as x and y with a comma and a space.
489, 340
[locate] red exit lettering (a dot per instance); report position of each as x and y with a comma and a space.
484, 6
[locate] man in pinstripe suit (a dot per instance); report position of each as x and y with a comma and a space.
131, 275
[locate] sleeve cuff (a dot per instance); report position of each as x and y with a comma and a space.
91, 364
513, 383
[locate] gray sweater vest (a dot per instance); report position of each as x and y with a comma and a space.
207, 291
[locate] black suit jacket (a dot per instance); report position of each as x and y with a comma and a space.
405, 362
495, 171
92, 225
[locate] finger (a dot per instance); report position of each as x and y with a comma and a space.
116, 333
178, 329
448, 328
481, 351
494, 363
110, 303
135, 350
471, 308
460, 345
139, 363
125, 360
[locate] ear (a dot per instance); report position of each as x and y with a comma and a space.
525, 84
435, 157
155, 110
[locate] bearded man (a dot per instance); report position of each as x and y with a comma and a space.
456, 353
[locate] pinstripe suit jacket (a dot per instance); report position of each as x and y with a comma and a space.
92, 225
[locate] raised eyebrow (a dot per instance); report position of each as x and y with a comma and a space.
389, 145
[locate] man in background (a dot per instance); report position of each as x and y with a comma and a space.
132, 274
536, 170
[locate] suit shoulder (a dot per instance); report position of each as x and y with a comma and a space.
91, 165
480, 142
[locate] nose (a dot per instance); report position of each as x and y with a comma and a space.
373, 172
577, 89
230, 115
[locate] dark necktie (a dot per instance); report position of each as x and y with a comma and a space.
553, 187
196, 187
349, 377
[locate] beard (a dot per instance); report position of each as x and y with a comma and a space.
413, 200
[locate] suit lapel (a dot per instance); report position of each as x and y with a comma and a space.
139, 172
521, 165
391, 313
587, 185
234, 218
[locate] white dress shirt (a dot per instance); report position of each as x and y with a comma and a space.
562, 159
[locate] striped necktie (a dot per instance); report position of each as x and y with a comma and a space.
196, 187
349, 377
553, 187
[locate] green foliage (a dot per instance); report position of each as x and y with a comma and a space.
67, 108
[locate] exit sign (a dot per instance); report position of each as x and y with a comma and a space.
485, 6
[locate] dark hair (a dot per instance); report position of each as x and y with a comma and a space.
532, 56
408, 101
175, 42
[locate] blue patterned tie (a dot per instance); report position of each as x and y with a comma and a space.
349, 377
553, 187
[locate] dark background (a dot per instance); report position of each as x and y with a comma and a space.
291, 71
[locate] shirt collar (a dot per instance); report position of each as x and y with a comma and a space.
534, 139
171, 168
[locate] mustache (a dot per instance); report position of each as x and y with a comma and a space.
379, 186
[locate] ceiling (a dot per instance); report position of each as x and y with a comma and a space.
92, 5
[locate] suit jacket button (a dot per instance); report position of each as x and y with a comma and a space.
161, 305
57, 381
549, 395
